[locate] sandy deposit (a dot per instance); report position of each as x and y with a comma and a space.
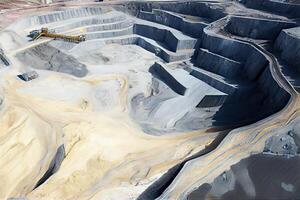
92, 124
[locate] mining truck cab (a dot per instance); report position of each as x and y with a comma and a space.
45, 30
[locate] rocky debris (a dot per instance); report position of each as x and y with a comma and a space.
257, 28
28, 76
287, 45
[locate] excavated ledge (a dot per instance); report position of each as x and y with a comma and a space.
288, 8
288, 46
188, 26
264, 29
218, 64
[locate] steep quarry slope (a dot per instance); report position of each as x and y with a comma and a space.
164, 100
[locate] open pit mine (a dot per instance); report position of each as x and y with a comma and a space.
164, 100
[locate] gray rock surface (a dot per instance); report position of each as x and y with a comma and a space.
54, 165
49, 58
287, 45
257, 28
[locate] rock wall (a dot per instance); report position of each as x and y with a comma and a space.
256, 87
56, 17
226, 47
192, 28
108, 34
201, 9
152, 47
216, 83
291, 9
256, 28
288, 46
254, 65
277, 97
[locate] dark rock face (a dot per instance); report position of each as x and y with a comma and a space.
287, 50
49, 58
161, 73
257, 28
54, 165
288, 46
289, 8
225, 56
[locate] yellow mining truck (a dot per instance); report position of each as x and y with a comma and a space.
44, 32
